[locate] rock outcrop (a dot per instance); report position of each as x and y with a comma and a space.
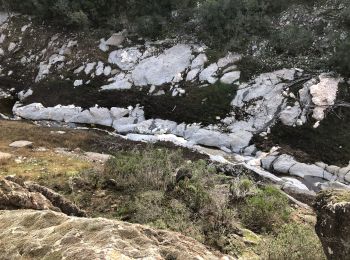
50, 235
16, 194
333, 229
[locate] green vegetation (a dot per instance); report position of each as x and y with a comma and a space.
266, 210
293, 242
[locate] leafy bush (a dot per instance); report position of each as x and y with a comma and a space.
99, 13
293, 242
241, 188
266, 210
231, 23
151, 169
292, 40
341, 58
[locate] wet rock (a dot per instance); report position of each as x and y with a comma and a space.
333, 214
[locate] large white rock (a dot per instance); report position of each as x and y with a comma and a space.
324, 95
290, 115
283, 164
229, 59
230, 77
115, 40
21, 144
209, 74
302, 170
158, 70
126, 59
261, 100
199, 61
191, 75
121, 81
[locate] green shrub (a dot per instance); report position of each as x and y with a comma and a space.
340, 60
293, 242
151, 169
292, 40
241, 188
266, 210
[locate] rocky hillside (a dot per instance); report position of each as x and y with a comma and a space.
245, 105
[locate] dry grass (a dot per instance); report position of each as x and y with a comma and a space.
27, 162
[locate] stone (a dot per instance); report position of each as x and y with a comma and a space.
324, 95
56, 199
333, 213
89, 67
115, 40
229, 59
267, 162
230, 77
302, 170
52, 235
121, 81
14, 196
283, 164
11, 46
209, 74
262, 101
199, 62
97, 157
158, 70
21, 144
125, 59
290, 115
250, 150
78, 83
191, 75
24, 94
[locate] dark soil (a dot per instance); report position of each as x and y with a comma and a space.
199, 105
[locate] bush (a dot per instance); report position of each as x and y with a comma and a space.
293, 242
151, 169
241, 188
232, 23
340, 60
99, 13
266, 210
292, 40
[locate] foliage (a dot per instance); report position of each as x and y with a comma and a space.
241, 188
341, 58
102, 13
292, 40
151, 169
266, 210
293, 242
